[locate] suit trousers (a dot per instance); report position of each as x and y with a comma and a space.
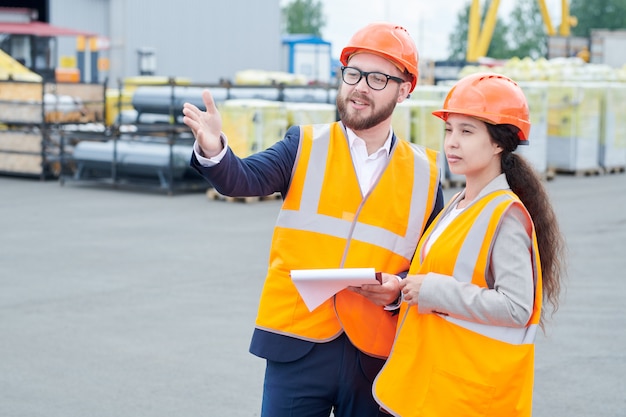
333, 377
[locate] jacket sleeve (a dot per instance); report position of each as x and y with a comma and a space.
259, 174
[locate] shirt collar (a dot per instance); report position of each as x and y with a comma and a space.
498, 183
386, 146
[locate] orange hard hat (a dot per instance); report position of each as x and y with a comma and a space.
493, 98
390, 41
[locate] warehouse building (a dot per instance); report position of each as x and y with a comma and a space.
204, 41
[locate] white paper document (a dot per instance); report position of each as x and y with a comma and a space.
318, 285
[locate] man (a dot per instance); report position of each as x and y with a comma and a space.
355, 196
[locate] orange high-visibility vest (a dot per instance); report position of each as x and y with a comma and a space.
441, 366
325, 222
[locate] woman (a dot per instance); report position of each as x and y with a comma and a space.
473, 295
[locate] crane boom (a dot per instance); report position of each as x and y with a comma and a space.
478, 39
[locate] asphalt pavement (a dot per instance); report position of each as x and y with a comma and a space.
119, 302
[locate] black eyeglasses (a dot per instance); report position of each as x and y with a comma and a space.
376, 80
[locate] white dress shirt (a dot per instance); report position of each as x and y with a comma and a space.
368, 167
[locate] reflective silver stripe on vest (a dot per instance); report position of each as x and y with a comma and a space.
307, 218
466, 260
464, 269
512, 335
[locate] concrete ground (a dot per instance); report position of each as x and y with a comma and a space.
126, 303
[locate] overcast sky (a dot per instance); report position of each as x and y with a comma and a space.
429, 22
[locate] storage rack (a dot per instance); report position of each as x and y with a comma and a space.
132, 153
32, 114
147, 145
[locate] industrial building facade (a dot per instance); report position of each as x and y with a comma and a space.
204, 41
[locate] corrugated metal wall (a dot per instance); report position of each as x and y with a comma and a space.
202, 40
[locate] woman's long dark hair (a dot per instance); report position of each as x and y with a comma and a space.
528, 186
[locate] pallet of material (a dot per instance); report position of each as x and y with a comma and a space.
614, 169
212, 194
20, 112
580, 172
20, 142
83, 115
23, 91
89, 102
21, 163
86, 92
21, 102
21, 152
33, 102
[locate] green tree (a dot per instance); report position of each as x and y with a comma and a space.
597, 14
304, 16
498, 48
526, 31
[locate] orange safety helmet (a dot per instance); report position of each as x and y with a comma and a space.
390, 41
493, 98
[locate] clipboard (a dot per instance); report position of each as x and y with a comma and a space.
318, 285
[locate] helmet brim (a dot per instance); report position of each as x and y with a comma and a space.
523, 132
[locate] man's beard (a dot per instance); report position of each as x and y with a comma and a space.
355, 120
